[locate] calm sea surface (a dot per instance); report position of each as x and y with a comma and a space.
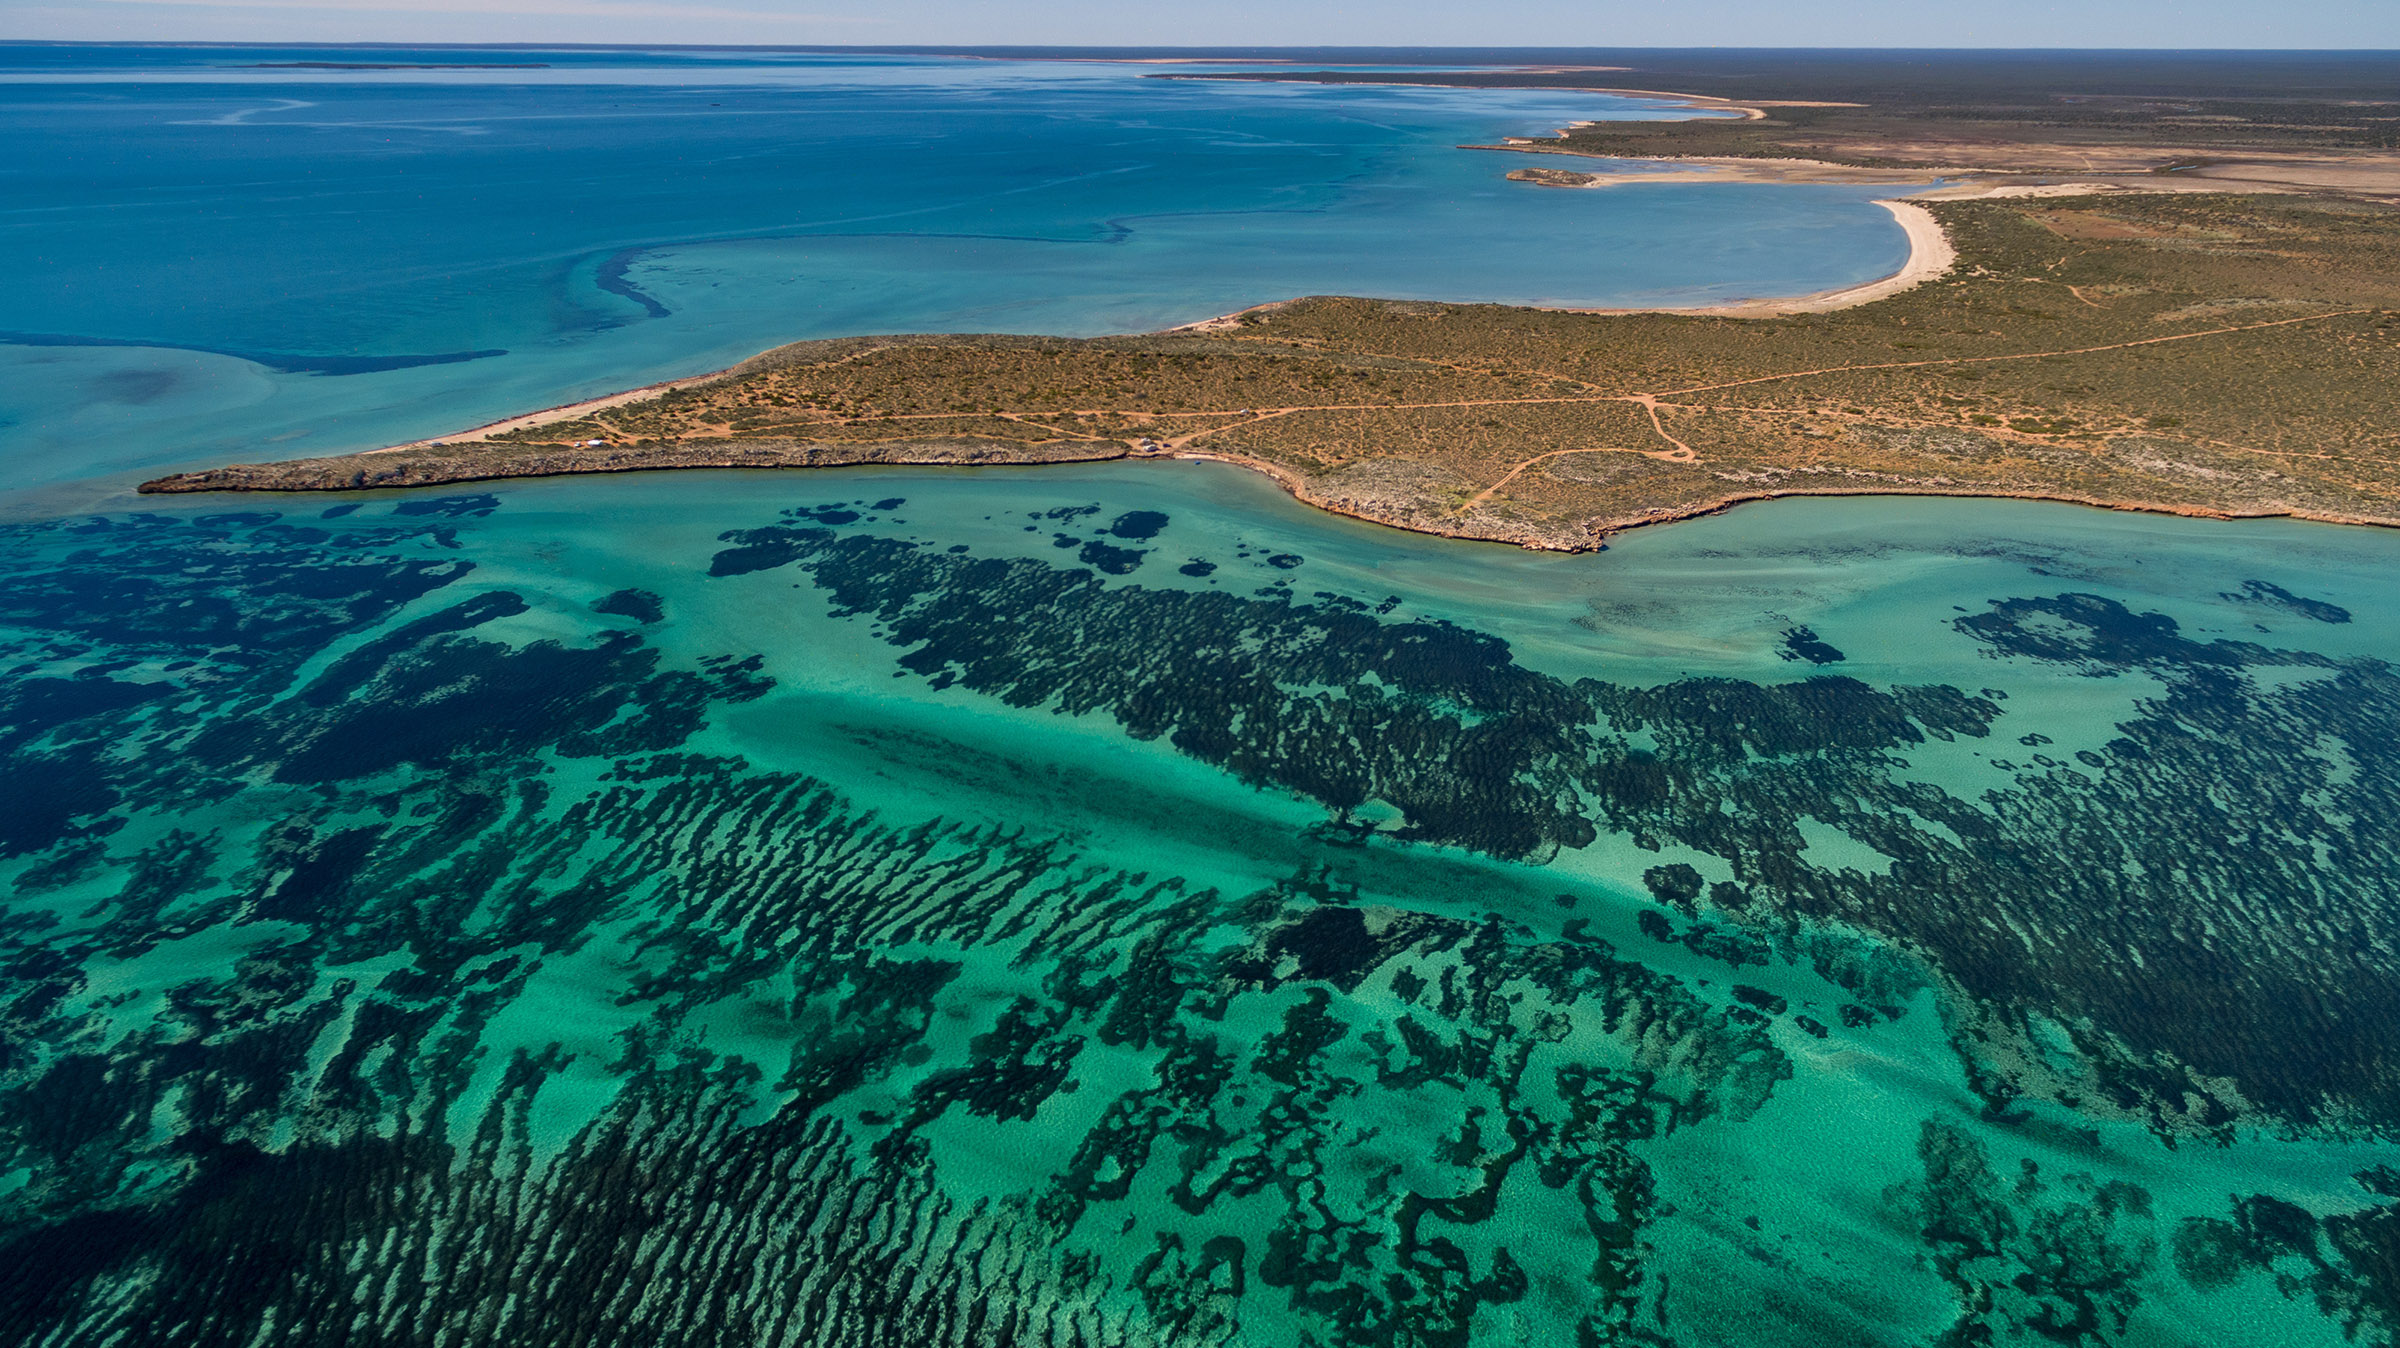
1104, 904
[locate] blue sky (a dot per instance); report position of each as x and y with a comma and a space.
1596, 23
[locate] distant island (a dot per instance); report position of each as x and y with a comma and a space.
2228, 353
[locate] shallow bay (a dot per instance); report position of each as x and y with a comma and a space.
1167, 908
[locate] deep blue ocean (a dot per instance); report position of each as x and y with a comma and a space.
810, 908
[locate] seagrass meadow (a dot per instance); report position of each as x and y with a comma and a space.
1113, 904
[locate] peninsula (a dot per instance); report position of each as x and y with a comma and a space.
2208, 354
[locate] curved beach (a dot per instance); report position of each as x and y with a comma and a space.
1930, 254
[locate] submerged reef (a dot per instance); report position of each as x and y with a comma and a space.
2074, 894
392, 956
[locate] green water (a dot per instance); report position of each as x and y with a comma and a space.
1116, 905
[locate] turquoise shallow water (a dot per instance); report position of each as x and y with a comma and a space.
1120, 902
1115, 904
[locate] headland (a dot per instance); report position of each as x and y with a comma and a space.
2136, 340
